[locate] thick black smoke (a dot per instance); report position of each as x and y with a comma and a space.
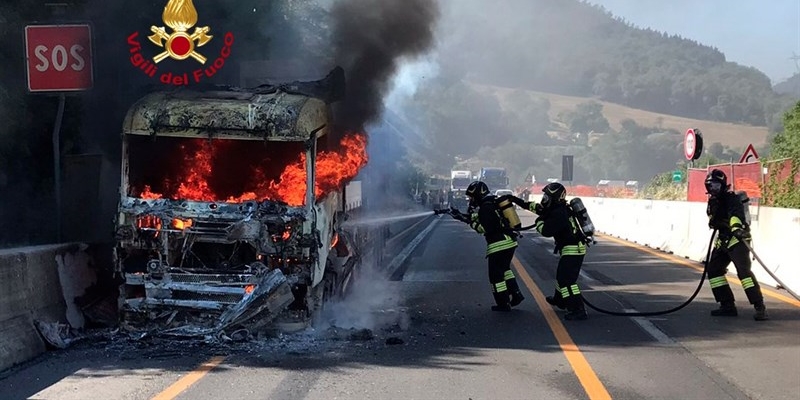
371, 38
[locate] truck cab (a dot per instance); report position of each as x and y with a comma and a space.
495, 178
219, 224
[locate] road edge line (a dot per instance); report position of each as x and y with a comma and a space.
580, 365
189, 379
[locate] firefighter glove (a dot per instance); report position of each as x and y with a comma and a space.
741, 234
516, 200
457, 215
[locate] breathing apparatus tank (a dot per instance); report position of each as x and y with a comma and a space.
579, 210
742, 196
507, 208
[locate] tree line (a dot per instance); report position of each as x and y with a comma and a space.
572, 47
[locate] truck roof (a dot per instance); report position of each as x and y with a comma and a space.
238, 114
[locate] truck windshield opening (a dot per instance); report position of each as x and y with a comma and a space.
214, 170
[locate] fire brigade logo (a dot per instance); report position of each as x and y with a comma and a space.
179, 44
180, 15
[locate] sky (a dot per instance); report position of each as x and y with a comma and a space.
759, 33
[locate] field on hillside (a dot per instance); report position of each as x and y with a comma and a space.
733, 135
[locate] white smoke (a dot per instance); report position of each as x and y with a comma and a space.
373, 303
410, 75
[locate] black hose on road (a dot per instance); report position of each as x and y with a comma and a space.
671, 310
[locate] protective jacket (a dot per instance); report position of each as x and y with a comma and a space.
494, 227
726, 215
556, 223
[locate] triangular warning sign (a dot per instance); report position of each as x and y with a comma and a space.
749, 155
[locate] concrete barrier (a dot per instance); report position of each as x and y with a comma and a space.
39, 284
681, 228
29, 289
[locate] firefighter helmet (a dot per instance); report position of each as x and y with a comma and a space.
553, 193
476, 191
716, 182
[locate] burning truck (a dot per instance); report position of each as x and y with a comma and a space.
231, 209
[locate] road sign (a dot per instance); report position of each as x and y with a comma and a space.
689, 144
749, 155
693, 144
566, 168
59, 57
677, 176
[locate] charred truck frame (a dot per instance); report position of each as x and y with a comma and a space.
211, 232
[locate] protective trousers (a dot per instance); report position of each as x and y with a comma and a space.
501, 277
567, 293
718, 267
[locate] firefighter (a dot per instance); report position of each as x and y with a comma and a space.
726, 214
485, 218
554, 221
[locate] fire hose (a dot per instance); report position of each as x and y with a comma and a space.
452, 212
699, 286
671, 310
781, 285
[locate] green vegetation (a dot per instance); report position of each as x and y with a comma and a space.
587, 52
662, 188
785, 192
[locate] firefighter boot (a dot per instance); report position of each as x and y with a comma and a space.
516, 298
556, 300
726, 309
578, 314
575, 309
501, 307
761, 312
501, 300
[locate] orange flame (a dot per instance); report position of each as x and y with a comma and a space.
181, 224
334, 169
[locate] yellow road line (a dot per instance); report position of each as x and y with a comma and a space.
588, 379
190, 379
767, 291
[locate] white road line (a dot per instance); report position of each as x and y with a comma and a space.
651, 329
643, 322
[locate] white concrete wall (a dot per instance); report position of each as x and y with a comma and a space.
31, 290
682, 228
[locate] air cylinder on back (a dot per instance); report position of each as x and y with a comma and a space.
507, 208
583, 216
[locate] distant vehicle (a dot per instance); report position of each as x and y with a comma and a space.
457, 196
495, 178
459, 180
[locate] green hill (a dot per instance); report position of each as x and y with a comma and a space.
574, 48
728, 134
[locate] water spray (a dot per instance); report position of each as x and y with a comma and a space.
386, 219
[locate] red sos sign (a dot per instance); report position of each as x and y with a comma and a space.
59, 57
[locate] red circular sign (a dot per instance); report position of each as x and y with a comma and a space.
689, 144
